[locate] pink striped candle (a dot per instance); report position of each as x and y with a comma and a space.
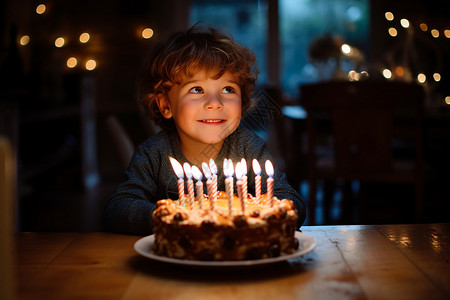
190, 183
269, 171
257, 171
209, 185
178, 169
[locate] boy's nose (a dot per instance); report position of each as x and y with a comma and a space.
213, 102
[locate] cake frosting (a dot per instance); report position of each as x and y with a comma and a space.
263, 230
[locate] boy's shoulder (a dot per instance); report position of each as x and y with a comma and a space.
245, 134
156, 143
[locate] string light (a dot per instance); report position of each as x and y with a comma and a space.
24, 40
435, 33
447, 100
447, 33
147, 33
421, 78
91, 65
72, 62
404, 23
84, 37
387, 73
59, 42
392, 32
40, 9
389, 16
437, 77
423, 27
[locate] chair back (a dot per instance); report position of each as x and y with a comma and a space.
365, 118
7, 218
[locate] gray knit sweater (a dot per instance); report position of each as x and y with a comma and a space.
150, 177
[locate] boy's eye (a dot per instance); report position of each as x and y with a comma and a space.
228, 90
196, 90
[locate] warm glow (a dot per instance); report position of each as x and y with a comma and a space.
392, 32
389, 16
447, 100
59, 42
447, 33
421, 78
404, 23
435, 33
24, 40
346, 49
90, 65
72, 62
364, 74
387, 73
147, 33
399, 71
437, 77
40, 9
424, 27
353, 75
84, 37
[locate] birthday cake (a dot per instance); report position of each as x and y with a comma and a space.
265, 228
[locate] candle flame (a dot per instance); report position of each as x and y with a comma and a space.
187, 170
244, 166
228, 167
239, 171
269, 168
197, 173
206, 171
256, 167
177, 168
212, 166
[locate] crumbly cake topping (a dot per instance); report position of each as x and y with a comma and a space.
256, 212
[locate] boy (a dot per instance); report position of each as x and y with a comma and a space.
196, 86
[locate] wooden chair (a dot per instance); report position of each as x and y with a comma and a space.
121, 140
364, 121
7, 217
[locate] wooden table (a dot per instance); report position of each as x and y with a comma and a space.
350, 262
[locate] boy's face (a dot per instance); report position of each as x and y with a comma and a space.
205, 110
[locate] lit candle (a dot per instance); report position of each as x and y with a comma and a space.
190, 183
244, 178
209, 185
178, 169
269, 171
213, 168
198, 185
228, 172
257, 171
239, 185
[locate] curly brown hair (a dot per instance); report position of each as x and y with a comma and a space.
200, 48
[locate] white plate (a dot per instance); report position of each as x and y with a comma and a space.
306, 245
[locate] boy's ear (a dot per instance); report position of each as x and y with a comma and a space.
164, 106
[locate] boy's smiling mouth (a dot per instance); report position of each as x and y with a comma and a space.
212, 121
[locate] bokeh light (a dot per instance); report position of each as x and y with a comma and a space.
24, 40
59, 42
424, 27
91, 65
72, 62
435, 33
404, 23
387, 73
392, 32
84, 37
40, 9
389, 16
437, 77
421, 78
147, 33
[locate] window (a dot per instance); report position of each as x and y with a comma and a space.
300, 23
